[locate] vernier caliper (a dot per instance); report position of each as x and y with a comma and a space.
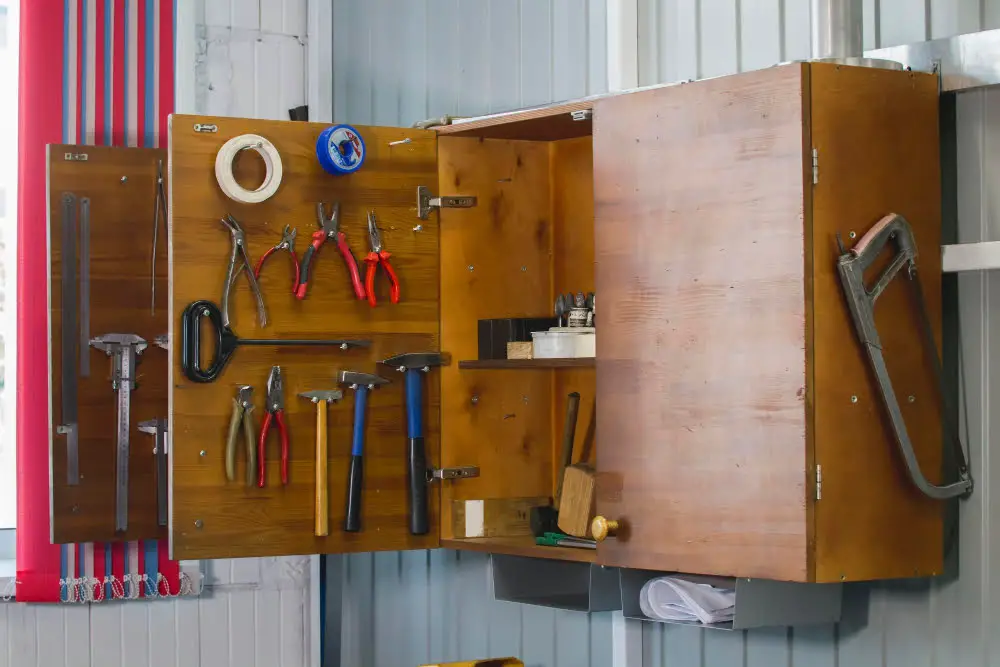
123, 349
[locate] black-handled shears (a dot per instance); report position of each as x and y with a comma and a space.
226, 341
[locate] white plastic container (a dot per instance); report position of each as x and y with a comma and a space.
564, 343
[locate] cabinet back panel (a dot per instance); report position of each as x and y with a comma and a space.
121, 232
701, 357
877, 136
238, 521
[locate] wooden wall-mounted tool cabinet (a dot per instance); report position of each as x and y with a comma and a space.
727, 375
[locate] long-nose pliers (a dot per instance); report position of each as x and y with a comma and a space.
375, 257
275, 415
286, 243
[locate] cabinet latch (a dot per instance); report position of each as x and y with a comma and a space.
426, 201
819, 482
461, 472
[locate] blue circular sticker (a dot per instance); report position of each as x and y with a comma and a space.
340, 149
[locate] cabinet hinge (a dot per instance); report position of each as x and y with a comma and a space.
460, 472
426, 201
819, 482
815, 166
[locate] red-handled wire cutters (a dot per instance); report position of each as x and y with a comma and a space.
329, 228
375, 257
275, 414
287, 242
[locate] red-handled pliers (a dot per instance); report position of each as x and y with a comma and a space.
329, 228
275, 414
375, 257
287, 242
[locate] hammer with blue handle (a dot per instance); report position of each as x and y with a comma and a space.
413, 364
361, 383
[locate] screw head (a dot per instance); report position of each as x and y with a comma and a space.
198, 523
426, 369
524, 269
854, 399
202, 453
124, 179
852, 235
471, 267
401, 369
911, 399
474, 399
344, 346
205, 313
418, 228
76, 509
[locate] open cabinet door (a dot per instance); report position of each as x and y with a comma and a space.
701, 363
211, 516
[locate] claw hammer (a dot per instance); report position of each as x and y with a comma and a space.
361, 383
413, 364
322, 399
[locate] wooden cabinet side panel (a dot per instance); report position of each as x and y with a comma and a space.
121, 232
701, 352
876, 136
213, 518
496, 262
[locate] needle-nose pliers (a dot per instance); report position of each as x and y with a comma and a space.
375, 257
286, 243
275, 415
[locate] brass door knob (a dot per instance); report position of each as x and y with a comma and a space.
601, 528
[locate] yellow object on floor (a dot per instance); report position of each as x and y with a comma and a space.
491, 662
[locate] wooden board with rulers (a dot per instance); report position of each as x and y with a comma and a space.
120, 187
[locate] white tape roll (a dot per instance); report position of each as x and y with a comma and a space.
224, 168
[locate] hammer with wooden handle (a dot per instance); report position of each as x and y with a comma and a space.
322, 399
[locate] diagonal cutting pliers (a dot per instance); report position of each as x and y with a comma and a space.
375, 257
329, 228
275, 415
239, 242
287, 243
242, 415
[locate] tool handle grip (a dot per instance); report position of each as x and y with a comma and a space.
322, 499
391, 273
260, 263
417, 478
414, 403
318, 239
283, 435
250, 445
225, 342
262, 448
372, 261
352, 265
355, 481
234, 427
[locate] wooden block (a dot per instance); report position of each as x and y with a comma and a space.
493, 517
576, 508
519, 350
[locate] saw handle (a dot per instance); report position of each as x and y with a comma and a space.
893, 228
322, 498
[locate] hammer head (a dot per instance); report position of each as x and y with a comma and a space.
108, 342
355, 379
324, 395
418, 360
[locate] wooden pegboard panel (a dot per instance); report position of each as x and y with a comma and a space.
237, 521
121, 229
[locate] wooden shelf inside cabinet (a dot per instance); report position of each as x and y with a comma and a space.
520, 546
474, 364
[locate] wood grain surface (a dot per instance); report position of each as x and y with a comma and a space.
548, 123
877, 136
121, 229
237, 521
496, 262
701, 353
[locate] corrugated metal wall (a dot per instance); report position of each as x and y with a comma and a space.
253, 612
478, 56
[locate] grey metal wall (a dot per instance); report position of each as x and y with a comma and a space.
474, 57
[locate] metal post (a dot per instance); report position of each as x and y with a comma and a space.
837, 29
